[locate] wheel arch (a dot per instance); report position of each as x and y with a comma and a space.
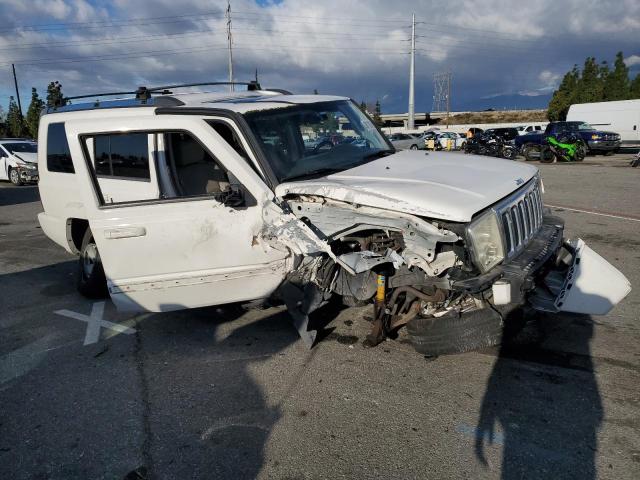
76, 228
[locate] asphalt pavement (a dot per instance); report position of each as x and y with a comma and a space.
216, 393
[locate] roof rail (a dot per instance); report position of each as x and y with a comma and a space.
144, 93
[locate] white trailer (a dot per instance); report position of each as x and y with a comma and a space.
622, 117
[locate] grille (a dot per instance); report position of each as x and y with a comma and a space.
521, 217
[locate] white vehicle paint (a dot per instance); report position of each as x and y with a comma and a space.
205, 199
531, 128
18, 161
622, 117
457, 138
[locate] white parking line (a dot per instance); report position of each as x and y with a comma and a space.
594, 212
95, 322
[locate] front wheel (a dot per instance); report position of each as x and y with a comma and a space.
14, 176
413, 147
581, 152
92, 282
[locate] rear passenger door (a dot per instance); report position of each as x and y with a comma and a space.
176, 213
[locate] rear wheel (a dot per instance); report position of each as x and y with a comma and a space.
546, 155
531, 152
14, 176
92, 282
509, 153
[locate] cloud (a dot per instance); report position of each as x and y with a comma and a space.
493, 51
632, 60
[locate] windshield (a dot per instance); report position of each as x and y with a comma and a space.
316, 139
584, 126
22, 147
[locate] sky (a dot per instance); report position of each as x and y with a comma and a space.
501, 54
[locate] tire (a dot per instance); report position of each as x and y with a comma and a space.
14, 176
413, 147
547, 156
455, 333
509, 153
581, 153
92, 282
531, 152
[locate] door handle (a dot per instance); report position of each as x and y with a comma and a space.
124, 232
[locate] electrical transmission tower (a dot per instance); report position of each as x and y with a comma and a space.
442, 93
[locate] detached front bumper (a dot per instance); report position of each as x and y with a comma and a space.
552, 274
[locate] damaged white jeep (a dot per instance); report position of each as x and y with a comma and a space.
177, 201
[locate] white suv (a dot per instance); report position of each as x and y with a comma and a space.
18, 160
177, 201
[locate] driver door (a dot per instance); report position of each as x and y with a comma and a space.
175, 213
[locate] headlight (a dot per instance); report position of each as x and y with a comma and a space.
28, 166
595, 137
486, 241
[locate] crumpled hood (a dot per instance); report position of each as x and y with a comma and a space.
26, 157
446, 186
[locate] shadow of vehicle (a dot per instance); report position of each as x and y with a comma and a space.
10, 195
543, 405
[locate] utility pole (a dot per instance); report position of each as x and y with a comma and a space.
15, 81
411, 124
229, 41
448, 96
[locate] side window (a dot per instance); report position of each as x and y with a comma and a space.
528, 129
195, 171
123, 155
58, 154
3, 154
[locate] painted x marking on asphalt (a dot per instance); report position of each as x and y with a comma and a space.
95, 322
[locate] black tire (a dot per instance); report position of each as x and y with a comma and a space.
509, 153
454, 333
92, 282
531, 152
413, 147
547, 156
14, 177
581, 152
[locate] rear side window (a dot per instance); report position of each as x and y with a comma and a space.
58, 154
124, 156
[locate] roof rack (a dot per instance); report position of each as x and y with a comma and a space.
144, 93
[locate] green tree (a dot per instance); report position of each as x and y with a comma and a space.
54, 94
33, 114
14, 119
3, 124
590, 87
616, 84
634, 88
377, 114
563, 97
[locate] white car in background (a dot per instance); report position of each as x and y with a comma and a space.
457, 138
524, 129
406, 141
18, 160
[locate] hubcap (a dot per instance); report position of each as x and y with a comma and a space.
14, 176
89, 259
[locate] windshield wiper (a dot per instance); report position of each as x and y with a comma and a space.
378, 154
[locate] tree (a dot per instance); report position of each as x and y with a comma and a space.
14, 119
3, 125
634, 88
563, 97
590, 86
54, 94
376, 114
616, 85
33, 114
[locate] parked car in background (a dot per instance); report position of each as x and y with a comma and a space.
622, 116
18, 160
524, 129
405, 141
597, 141
458, 141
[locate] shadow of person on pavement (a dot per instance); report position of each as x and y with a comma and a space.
542, 406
